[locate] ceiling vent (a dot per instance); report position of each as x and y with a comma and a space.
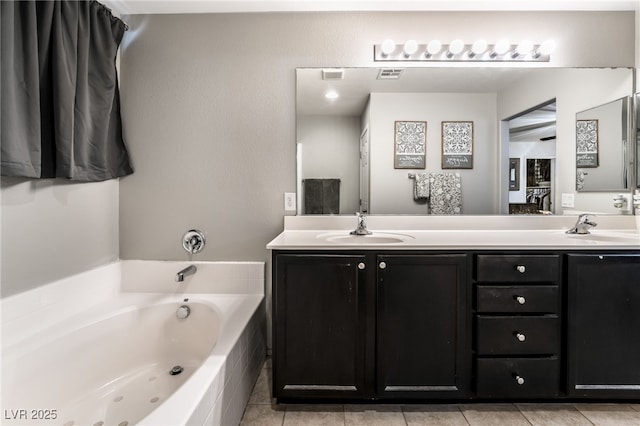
333, 74
389, 73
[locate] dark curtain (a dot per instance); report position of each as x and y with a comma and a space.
60, 98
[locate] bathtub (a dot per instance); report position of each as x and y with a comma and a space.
98, 352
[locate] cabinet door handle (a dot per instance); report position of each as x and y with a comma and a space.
521, 300
382, 265
361, 265
521, 337
521, 268
519, 379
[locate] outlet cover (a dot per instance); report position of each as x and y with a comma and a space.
568, 200
289, 201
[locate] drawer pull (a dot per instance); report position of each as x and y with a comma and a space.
521, 337
521, 269
521, 300
519, 380
361, 265
382, 265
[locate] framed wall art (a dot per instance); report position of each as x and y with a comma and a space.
457, 144
586, 143
410, 144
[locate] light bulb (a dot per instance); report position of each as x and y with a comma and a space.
500, 48
455, 47
410, 47
433, 47
388, 46
545, 48
478, 48
523, 48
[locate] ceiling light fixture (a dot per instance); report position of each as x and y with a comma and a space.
479, 51
331, 95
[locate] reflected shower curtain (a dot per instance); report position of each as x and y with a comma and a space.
60, 99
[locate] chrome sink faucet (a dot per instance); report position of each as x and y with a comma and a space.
582, 225
361, 229
189, 270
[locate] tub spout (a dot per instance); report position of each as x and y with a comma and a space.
189, 270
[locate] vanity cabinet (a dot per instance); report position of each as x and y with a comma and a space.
370, 326
518, 328
604, 325
320, 333
421, 326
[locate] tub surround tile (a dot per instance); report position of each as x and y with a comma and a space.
610, 414
374, 415
553, 415
150, 276
442, 415
314, 415
493, 415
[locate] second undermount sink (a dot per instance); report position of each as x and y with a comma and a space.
375, 238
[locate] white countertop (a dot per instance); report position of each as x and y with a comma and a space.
455, 233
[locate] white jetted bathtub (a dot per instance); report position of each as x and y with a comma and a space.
125, 344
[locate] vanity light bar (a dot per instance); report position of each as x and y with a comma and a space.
457, 50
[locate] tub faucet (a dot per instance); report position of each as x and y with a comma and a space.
361, 229
582, 225
189, 270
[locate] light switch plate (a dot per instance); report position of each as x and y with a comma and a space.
289, 201
568, 200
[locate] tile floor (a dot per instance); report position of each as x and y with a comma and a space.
263, 412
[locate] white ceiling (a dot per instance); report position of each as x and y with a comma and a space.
125, 7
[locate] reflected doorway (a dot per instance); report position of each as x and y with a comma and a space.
532, 153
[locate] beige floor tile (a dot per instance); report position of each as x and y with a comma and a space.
373, 415
314, 415
494, 415
262, 390
610, 414
263, 415
440, 415
635, 407
553, 415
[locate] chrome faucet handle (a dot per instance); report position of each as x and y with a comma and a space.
361, 228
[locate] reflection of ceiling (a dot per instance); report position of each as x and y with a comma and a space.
357, 83
537, 125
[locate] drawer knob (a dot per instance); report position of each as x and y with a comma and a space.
521, 269
521, 300
519, 380
361, 265
382, 265
521, 337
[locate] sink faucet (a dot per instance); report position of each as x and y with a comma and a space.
361, 229
582, 225
189, 270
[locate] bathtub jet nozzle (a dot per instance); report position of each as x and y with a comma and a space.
176, 370
189, 270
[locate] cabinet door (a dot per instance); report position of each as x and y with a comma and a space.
421, 329
604, 325
319, 326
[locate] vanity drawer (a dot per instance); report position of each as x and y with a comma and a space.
518, 377
517, 299
518, 335
517, 268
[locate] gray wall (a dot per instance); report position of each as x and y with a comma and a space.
208, 107
52, 229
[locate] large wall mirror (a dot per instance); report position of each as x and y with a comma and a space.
364, 134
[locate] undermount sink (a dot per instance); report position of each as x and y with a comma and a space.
375, 238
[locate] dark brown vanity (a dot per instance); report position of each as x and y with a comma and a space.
379, 324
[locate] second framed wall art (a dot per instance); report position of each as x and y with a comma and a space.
457, 144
